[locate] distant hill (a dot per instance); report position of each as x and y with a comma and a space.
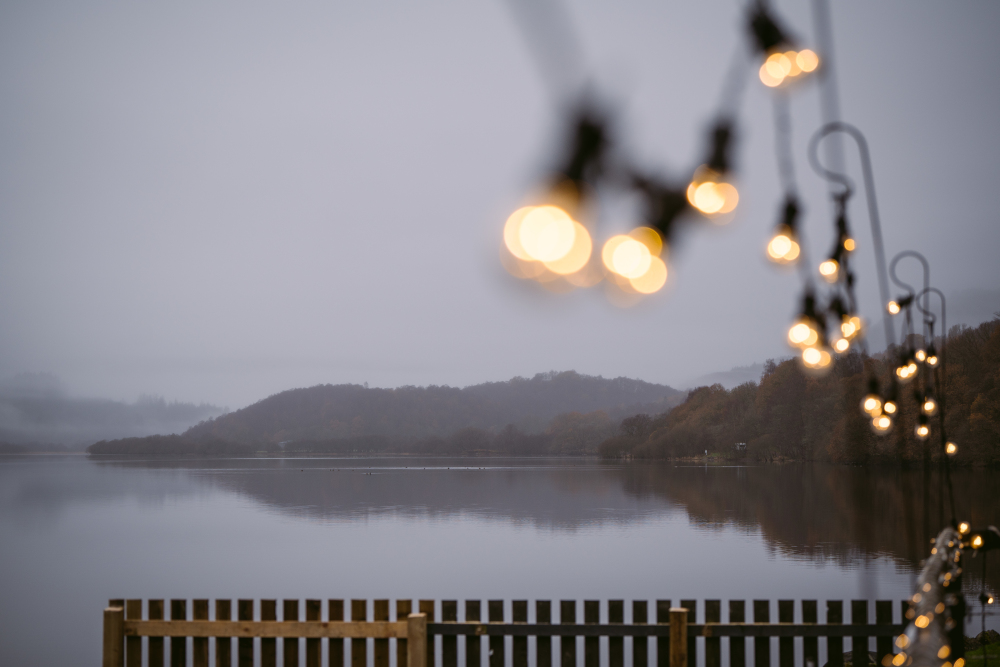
38, 414
339, 412
729, 379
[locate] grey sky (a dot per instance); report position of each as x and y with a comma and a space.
220, 200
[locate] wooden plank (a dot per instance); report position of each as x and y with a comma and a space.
335, 652
567, 645
694, 630
473, 644
810, 645
737, 647
290, 645
663, 642
359, 647
497, 657
592, 645
449, 645
244, 647
786, 645
154, 644
314, 609
859, 643
883, 645
692, 618
380, 612
640, 646
762, 645
403, 610
713, 645
199, 645
519, 614
834, 645
114, 637
416, 637
178, 645
133, 645
223, 645
543, 645
426, 607
678, 637
269, 645
616, 645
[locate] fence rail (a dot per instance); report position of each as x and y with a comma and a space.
414, 633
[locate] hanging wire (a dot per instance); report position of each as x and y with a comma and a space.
548, 31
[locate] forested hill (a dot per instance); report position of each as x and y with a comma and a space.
335, 412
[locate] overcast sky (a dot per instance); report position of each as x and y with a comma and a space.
219, 200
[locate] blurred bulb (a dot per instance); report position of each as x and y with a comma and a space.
512, 231
578, 255
892, 307
872, 404
903, 373
547, 233
951, 449
653, 279
989, 600
963, 527
882, 423
841, 345
849, 245
783, 247
889, 407
816, 358
920, 355
922, 431
780, 67
829, 270
630, 258
912, 368
803, 334
932, 360
710, 193
977, 541
807, 60
929, 407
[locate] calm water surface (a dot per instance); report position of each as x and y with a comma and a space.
76, 532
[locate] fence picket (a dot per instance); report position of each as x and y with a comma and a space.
289, 645
592, 645
810, 645
616, 645
692, 646
155, 644
314, 609
359, 647
883, 645
449, 645
268, 645
713, 645
786, 645
663, 643
335, 649
640, 645
427, 607
737, 645
859, 644
199, 645
519, 614
178, 645
380, 612
495, 608
133, 645
567, 645
543, 645
473, 644
223, 645
244, 648
834, 645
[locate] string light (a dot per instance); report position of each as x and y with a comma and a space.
951, 449
892, 307
882, 424
929, 406
963, 527
782, 62
920, 355
830, 270
783, 248
923, 429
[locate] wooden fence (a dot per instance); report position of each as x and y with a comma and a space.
415, 633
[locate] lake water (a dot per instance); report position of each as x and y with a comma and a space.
76, 532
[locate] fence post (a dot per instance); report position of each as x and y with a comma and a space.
114, 637
678, 637
416, 640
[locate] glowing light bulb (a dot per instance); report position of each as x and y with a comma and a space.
849, 245
578, 255
711, 194
930, 406
547, 233
932, 360
850, 327
783, 247
892, 307
963, 527
889, 407
803, 334
630, 258
977, 541
841, 345
903, 373
882, 423
872, 405
807, 60
816, 358
922, 431
829, 269
780, 67
912, 368
512, 232
920, 355
898, 659
653, 279
951, 449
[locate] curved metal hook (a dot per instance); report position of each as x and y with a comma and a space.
927, 313
873, 217
832, 176
916, 255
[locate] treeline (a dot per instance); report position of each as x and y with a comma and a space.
571, 434
789, 415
